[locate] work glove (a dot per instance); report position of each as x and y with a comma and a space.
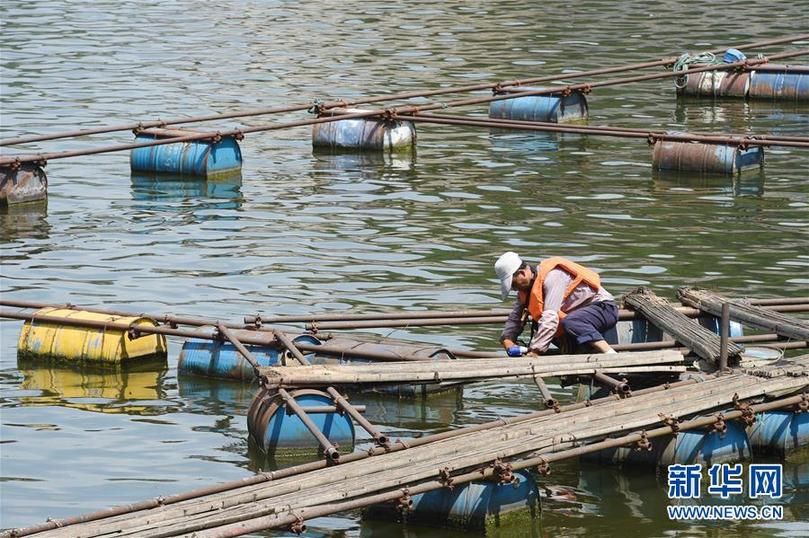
517, 351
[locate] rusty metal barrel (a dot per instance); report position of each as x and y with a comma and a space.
364, 134
705, 158
716, 84
780, 82
26, 183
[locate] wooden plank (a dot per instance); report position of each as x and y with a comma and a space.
744, 312
688, 332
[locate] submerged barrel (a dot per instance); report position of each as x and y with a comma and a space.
553, 108
640, 330
279, 432
26, 183
780, 82
220, 359
705, 158
68, 342
716, 84
699, 445
364, 134
210, 158
481, 506
779, 432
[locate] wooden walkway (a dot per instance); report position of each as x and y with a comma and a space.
285, 499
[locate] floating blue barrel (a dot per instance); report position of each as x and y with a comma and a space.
688, 447
278, 432
705, 158
716, 84
200, 158
780, 82
480, 506
26, 183
217, 358
553, 108
364, 134
779, 432
707, 447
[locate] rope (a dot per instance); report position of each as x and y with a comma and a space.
686, 60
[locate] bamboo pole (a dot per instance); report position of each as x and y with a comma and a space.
470, 369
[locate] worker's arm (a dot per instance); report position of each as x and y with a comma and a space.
556, 282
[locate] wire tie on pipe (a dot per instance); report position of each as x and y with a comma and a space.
216, 138
803, 405
643, 443
671, 422
238, 135
544, 467
298, 526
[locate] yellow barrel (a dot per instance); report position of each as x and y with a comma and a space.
53, 340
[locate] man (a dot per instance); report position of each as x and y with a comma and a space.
563, 300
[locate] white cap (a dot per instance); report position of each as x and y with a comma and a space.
505, 267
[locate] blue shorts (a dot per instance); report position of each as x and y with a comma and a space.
589, 323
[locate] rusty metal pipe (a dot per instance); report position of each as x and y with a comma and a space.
398, 96
597, 129
724, 332
243, 351
380, 438
785, 304
315, 409
291, 347
549, 401
601, 131
618, 387
13, 160
332, 454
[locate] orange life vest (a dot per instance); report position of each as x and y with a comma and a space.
534, 299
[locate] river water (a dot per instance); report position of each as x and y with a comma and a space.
303, 232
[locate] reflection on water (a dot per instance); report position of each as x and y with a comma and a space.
132, 389
738, 116
748, 183
410, 415
371, 163
24, 221
220, 193
216, 396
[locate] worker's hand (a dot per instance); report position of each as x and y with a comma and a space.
516, 351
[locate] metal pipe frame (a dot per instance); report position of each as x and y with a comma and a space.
398, 96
